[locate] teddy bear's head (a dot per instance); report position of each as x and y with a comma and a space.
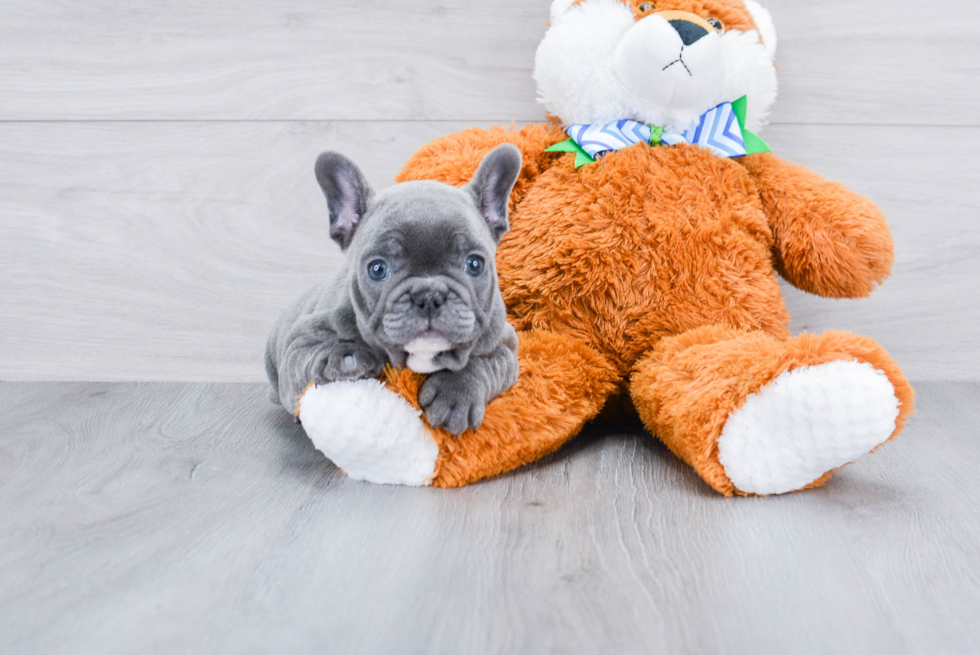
661, 63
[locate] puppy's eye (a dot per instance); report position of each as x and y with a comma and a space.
717, 24
646, 6
475, 265
378, 270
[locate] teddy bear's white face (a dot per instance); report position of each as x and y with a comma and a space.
599, 62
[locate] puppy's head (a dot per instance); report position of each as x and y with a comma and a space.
421, 273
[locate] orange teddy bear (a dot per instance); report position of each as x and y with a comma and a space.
648, 225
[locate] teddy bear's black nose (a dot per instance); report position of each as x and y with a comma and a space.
689, 32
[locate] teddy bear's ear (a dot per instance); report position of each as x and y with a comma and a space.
492, 184
347, 194
559, 7
767, 29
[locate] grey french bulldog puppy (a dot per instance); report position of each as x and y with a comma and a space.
419, 291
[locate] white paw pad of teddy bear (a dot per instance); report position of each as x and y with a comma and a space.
369, 432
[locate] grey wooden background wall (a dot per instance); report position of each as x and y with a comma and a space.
158, 209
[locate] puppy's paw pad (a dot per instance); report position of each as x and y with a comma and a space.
452, 402
350, 362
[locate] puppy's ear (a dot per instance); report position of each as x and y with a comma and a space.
492, 184
347, 195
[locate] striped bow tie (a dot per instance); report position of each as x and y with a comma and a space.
720, 130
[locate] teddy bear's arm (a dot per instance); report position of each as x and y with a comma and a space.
453, 159
828, 240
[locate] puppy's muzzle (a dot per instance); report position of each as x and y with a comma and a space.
428, 301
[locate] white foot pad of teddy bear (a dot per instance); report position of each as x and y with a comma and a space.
371, 433
807, 422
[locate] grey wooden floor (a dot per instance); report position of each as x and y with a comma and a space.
159, 518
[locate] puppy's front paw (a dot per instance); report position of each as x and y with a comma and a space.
454, 402
347, 361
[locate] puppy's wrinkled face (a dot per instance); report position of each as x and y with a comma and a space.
421, 278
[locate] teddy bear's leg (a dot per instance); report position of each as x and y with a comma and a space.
562, 385
756, 415
376, 431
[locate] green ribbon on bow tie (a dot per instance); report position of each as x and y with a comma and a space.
582, 158
656, 135
753, 143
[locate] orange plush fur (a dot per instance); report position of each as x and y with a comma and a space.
653, 273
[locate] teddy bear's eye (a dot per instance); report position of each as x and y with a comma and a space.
646, 6
717, 24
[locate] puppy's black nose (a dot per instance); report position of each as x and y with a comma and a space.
689, 32
428, 301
